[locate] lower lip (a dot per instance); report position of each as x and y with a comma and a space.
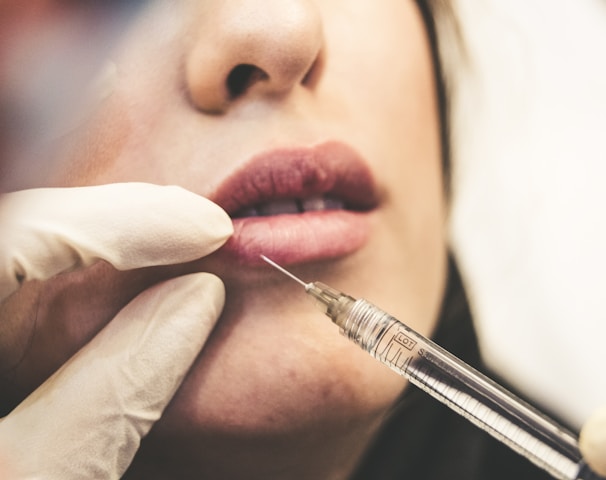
300, 238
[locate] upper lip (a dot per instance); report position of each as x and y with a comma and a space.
331, 168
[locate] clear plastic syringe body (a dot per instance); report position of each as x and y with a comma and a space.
456, 384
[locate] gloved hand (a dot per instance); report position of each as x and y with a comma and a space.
592, 441
87, 420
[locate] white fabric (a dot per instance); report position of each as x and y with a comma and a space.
87, 420
528, 221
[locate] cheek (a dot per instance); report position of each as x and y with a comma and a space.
91, 151
386, 69
386, 83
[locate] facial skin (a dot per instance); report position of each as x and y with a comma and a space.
277, 392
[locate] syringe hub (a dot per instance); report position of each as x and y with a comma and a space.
331, 301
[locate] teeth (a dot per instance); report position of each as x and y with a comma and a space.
278, 207
319, 203
289, 206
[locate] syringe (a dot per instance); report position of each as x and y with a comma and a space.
451, 381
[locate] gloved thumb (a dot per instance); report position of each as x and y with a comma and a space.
592, 441
87, 420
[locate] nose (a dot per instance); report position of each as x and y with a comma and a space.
252, 49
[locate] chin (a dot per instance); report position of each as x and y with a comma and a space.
270, 382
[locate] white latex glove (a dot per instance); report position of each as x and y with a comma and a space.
592, 441
87, 420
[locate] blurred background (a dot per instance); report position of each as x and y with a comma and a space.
52, 54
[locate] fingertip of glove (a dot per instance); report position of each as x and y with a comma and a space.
178, 226
592, 441
214, 222
206, 286
201, 293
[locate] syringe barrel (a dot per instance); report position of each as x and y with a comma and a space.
464, 389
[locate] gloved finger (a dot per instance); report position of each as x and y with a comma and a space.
87, 420
130, 225
592, 441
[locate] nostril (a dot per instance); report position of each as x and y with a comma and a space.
243, 77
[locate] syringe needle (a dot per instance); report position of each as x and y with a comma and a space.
284, 271
327, 298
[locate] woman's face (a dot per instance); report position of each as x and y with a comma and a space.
267, 107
